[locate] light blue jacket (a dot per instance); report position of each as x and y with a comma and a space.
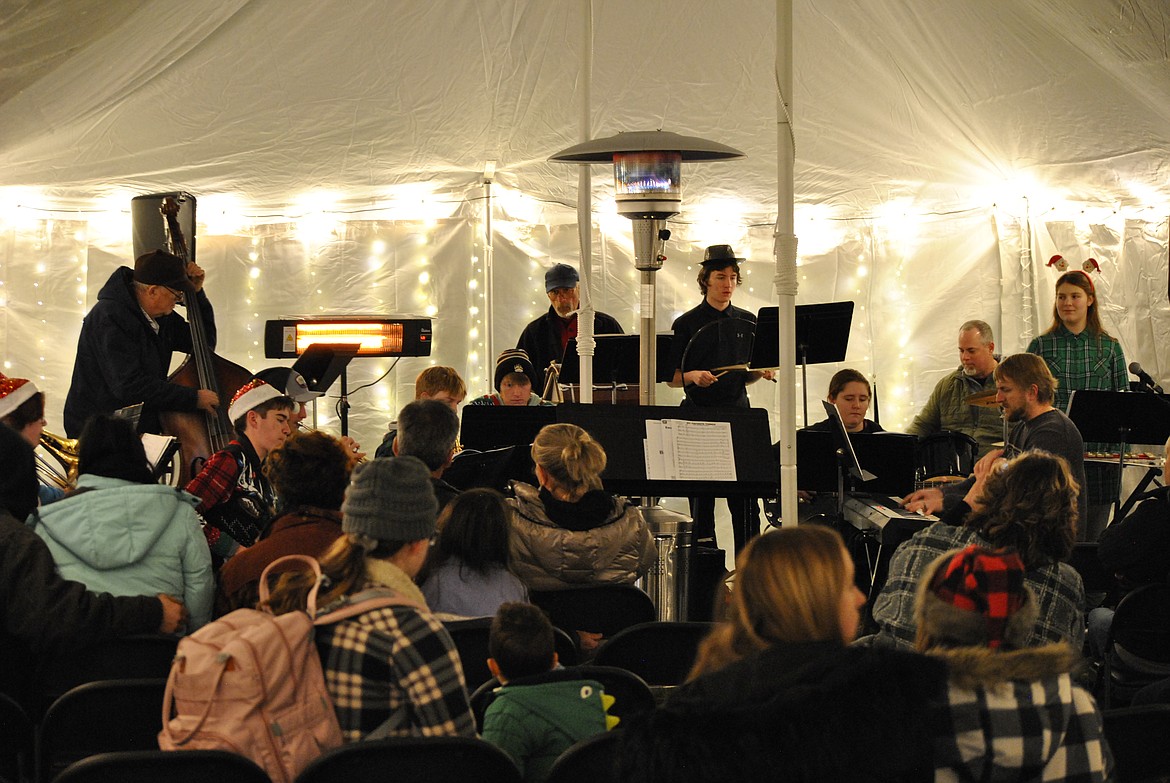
123, 538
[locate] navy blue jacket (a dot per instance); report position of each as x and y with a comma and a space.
121, 361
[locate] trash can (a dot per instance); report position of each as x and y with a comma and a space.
668, 580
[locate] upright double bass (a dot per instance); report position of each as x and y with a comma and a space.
199, 433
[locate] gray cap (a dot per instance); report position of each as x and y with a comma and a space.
390, 499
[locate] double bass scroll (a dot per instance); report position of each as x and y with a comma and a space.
169, 220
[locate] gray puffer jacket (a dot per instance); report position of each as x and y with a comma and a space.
557, 545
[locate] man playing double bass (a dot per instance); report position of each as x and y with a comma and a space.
126, 341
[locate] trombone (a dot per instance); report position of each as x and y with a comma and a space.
64, 450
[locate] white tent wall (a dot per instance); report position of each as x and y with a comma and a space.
935, 142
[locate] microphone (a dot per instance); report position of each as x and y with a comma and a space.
1144, 377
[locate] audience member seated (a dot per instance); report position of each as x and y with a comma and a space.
570, 532
1012, 711
776, 693
429, 430
515, 380
43, 613
1136, 550
1028, 504
395, 668
530, 720
309, 474
438, 383
121, 532
22, 407
467, 571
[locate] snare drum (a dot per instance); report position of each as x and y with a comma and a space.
946, 457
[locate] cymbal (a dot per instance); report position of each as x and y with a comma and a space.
983, 399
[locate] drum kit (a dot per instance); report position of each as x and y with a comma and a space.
948, 456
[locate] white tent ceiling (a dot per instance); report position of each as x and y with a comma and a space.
935, 141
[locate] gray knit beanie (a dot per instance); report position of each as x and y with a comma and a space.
390, 499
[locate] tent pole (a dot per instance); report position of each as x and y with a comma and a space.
784, 249
586, 345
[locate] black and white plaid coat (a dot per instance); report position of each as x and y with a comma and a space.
1017, 715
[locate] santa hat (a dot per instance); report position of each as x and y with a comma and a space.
976, 597
254, 392
14, 392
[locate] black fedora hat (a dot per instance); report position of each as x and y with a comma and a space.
720, 254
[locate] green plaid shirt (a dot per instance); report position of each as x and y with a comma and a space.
1086, 361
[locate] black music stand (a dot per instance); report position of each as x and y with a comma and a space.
893, 454
616, 362
323, 363
487, 427
822, 336
1123, 418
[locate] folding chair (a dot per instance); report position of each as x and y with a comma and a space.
16, 741
604, 609
1137, 736
171, 766
141, 656
661, 653
588, 761
1137, 652
414, 759
99, 717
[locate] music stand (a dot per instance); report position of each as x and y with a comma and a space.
893, 454
615, 362
822, 336
1124, 418
323, 363
487, 427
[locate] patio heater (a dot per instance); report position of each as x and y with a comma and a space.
647, 187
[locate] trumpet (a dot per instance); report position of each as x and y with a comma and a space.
64, 450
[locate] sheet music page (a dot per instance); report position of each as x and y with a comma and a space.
656, 451
702, 450
156, 446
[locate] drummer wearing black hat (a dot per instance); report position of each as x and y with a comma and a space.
716, 334
545, 339
126, 341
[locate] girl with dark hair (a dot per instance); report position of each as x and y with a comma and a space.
1082, 355
123, 534
849, 391
467, 571
22, 407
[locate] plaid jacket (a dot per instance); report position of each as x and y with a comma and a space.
1086, 361
1059, 591
235, 498
1017, 716
396, 661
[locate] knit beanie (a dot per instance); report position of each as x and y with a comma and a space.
515, 360
390, 499
976, 597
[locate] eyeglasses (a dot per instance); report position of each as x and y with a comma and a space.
175, 292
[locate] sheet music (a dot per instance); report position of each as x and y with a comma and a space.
678, 450
156, 447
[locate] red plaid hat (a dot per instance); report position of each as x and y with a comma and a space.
976, 596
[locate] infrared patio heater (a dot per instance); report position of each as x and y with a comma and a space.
647, 188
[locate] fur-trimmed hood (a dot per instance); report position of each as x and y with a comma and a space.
980, 667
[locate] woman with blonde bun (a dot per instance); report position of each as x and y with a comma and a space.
568, 531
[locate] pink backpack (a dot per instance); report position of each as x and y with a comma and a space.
251, 683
